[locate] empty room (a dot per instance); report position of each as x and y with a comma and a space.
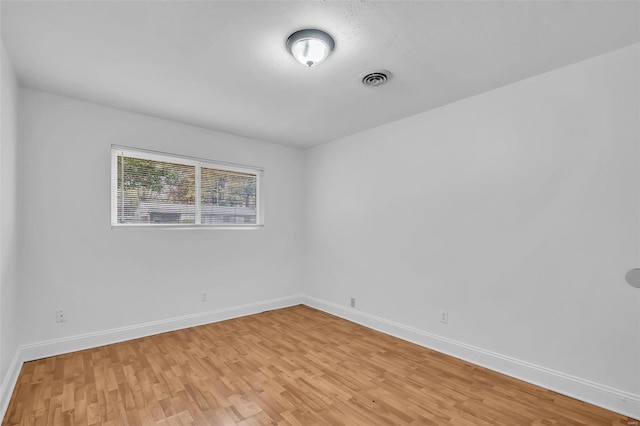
320, 213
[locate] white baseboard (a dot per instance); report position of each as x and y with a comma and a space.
603, 396
54, 347
91, 340
9, 383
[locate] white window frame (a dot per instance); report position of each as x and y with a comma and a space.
144, 154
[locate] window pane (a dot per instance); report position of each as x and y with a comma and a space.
227, 197
155, 191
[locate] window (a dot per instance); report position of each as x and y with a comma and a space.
163, 190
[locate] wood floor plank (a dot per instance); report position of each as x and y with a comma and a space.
294, 366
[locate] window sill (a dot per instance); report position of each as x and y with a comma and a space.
188, 227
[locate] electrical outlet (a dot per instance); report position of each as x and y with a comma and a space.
61, 316
353, 302
444, 316
204, 297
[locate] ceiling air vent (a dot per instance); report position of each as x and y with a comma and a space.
376, 78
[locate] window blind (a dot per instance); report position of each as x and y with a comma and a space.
165, 190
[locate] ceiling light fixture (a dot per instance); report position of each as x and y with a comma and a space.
310, 47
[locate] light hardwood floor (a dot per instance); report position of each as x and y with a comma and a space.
294, 366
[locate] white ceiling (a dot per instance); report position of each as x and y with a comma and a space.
223, 65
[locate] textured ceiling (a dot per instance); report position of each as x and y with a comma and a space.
223, 65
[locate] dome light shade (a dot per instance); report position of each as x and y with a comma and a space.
310, 47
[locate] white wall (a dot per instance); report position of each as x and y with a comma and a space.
105, 279
8, 218
516, 210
